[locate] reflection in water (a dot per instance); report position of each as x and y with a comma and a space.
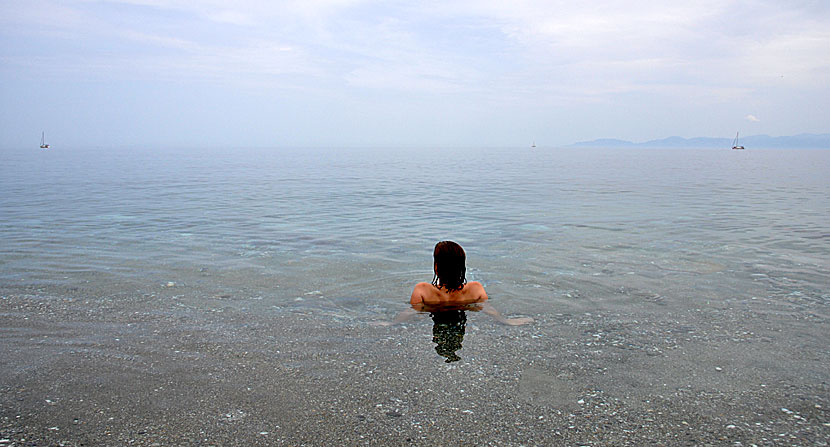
448, 333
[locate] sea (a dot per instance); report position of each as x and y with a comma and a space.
347, 232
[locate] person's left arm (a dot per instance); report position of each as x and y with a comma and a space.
490, 310
416, 301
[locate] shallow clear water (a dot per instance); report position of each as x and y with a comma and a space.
353, 229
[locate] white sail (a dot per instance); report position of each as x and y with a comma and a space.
735, 144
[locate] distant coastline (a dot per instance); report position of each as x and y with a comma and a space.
801, 141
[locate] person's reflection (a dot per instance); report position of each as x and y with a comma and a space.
448, 333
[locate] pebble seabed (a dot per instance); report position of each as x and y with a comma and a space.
155, 368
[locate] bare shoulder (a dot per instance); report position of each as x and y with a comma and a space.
421, 291
423, 286
475, 288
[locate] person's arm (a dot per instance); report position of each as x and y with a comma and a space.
416, 302
402, 317
490, 310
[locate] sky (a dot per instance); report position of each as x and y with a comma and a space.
347, 73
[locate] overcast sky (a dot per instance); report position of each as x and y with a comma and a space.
425, 73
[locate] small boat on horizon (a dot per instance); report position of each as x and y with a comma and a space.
533, 145
735, 144
43, 144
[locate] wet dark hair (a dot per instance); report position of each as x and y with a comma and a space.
449, 266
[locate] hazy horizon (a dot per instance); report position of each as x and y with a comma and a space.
350, 73
585, 144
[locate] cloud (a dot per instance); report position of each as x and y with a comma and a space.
606, 48
523, 59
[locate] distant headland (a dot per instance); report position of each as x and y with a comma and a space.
801, 141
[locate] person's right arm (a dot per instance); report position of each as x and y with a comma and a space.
490, 310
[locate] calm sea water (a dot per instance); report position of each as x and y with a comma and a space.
545, 230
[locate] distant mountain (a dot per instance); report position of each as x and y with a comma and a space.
801, 141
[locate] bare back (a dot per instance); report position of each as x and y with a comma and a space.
430, 295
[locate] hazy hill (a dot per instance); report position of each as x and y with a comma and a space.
801, 141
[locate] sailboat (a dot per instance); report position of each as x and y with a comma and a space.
533, 145
43, 144
735, 143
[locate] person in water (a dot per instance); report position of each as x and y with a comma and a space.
449, 283
450, 290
